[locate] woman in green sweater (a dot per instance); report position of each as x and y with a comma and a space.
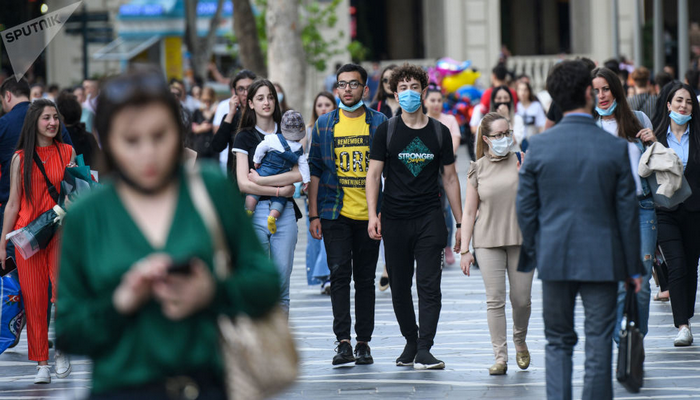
149, 331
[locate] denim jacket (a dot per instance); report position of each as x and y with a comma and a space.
322, 160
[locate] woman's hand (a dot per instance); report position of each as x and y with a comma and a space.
232, 104
136, 286
253, 175
3, 253
647, 135
182, 295
504, 111
466, 262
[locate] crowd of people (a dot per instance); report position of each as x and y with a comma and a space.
554, 185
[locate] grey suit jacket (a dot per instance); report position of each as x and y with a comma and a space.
577, 206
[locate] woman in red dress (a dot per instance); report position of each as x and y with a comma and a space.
29, 198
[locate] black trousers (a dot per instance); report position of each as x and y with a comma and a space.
679, 237
351, 253
422, 239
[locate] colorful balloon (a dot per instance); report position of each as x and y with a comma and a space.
448, 66
453, 82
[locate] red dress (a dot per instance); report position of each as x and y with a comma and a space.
34, 273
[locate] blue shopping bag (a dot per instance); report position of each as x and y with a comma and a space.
11, 311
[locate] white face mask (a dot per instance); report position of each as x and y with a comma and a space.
501, 147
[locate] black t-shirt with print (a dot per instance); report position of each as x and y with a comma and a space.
412, 168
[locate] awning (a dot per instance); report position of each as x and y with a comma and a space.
124, 49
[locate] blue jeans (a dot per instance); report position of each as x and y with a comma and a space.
648, 232
317, 271
280, 246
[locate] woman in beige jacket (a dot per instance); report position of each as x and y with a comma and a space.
493, 183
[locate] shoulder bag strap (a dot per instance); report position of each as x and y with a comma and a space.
205, 207
52, 189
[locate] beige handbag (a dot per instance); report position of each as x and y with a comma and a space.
259, 354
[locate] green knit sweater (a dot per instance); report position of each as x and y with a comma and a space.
101, 242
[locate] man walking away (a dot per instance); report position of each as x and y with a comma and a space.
577, 210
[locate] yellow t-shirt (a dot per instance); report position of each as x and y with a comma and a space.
351, 142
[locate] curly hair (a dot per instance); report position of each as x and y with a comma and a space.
407, 72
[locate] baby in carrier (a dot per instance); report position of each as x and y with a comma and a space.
277, 154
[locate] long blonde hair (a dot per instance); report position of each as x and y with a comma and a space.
485, 129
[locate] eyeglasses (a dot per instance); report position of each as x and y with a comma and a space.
125, 88
501, 135
242, 89
353, 84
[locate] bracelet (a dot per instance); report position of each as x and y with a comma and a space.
278, 192
313, 218
464, 253
459, 225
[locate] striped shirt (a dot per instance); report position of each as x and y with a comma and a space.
643, 102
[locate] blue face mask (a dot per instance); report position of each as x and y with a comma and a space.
608, 112
680, 119
342, 106
409, 101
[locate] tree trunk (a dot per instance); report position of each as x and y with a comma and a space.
285, 53
247, 34
200, 48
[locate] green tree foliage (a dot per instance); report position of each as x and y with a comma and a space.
314, 18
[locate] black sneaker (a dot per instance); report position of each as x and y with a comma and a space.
363, 356
425, 360
343, 354
409, 353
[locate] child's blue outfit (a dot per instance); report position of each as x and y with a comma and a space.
276, 156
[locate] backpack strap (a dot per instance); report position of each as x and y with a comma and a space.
437, 127
52, 189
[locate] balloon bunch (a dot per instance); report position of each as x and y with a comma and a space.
457, 81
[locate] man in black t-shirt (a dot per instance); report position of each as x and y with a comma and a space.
411, 220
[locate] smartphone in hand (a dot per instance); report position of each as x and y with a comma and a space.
182, 267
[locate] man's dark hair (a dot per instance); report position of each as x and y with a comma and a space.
69, 108
353, 68
567, 83
10, 84
242, 74
500, 71
405, 73
662, 79
613, 65
337, 66
590, 64
692, 77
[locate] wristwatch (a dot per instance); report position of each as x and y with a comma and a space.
313, 218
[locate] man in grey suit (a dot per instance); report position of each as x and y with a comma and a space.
577, 210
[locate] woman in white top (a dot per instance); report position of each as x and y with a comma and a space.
532, 113
433, 103
614, 114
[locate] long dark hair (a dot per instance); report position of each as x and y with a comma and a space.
693, 125
627, 123
314, 114
495, 91
381, 95
660, 109
134, 89
249, 119
28, 138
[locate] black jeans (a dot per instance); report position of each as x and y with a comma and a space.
421, 239
679, 237
350, 251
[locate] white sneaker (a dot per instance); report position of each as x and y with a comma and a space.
62, 366
684, 338
43, 375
